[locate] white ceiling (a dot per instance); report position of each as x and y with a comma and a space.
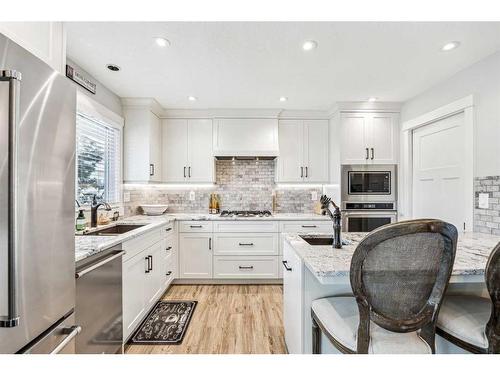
252, 64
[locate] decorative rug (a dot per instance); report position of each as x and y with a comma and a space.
166, 323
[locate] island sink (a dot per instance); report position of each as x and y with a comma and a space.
318, 240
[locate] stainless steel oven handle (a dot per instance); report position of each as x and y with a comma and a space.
99, 264
72, 332
12, 318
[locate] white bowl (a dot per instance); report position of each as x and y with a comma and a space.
154, 209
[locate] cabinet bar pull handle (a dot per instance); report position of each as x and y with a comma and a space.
71, 333
168, 229
168, 273
367, 154
245, 267
11, 78
195, 226
246, 244
285, 263
306, 172
147, 264
184, 172
169, 248
151, 262
309, 226
189, 172
301, 172
151, 169
210, 243
373, 154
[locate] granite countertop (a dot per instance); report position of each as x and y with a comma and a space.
86, 246
327, 264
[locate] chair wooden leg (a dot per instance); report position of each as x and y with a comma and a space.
316, 338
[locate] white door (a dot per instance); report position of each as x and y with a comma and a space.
195, 251
382, 138
200, 155
134, 289
439, 171
292, 300
316, 151
175, 150
155, 148
354, 149
291, 141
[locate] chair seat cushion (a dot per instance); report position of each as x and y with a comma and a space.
465, 318
340, 317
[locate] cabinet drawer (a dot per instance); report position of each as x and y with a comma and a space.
306, 226
245, 267
246, 244
246, 226
195, 226
134, 246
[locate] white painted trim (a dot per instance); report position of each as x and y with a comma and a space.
441, 112
368, 107
91, 108
405, 183
149, 103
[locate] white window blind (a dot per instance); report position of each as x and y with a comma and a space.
98, 151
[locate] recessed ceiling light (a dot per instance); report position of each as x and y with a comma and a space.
283, 98
372, 99
113, 67
309, 45
162, 42
192, 98
450, 45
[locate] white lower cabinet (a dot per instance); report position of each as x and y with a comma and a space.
245, 267
145, 275
195, 255
292, 300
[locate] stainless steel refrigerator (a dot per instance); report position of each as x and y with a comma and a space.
37, 190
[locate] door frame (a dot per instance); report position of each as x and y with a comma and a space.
405, 189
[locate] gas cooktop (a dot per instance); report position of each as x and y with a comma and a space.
246, 213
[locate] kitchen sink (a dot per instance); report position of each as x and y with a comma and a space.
318, 240
113, 231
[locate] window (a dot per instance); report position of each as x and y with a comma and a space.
98, 150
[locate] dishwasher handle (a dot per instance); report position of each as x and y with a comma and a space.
72, 332
99, 264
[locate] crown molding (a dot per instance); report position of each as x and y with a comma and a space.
149, 103
368, 106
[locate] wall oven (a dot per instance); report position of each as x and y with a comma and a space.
368, 197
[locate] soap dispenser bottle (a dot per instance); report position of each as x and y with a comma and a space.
81, 221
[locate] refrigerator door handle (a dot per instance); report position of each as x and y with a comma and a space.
72, 332
13, 79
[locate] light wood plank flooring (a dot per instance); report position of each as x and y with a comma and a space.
229, 319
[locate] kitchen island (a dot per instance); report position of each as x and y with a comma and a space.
316, 271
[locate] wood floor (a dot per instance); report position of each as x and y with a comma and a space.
229, 319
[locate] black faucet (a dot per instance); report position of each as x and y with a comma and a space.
336, 217
93, 211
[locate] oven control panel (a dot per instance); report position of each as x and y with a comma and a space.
369, 206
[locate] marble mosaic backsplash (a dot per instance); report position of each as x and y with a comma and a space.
241, 185
487, 220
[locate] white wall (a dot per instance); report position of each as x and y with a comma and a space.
483, 81
103, 95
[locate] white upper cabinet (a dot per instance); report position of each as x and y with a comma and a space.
45, 40
303, 151
245, 137
187, 150
141, 145
369, 138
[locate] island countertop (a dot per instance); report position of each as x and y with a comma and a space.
331, 266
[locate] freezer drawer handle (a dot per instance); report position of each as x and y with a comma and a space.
12, 78
99, 264
71, 332
245, 267
285, 263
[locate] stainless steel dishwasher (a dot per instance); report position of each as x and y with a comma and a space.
99, 303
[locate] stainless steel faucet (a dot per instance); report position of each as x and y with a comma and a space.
93, 210
336, 217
